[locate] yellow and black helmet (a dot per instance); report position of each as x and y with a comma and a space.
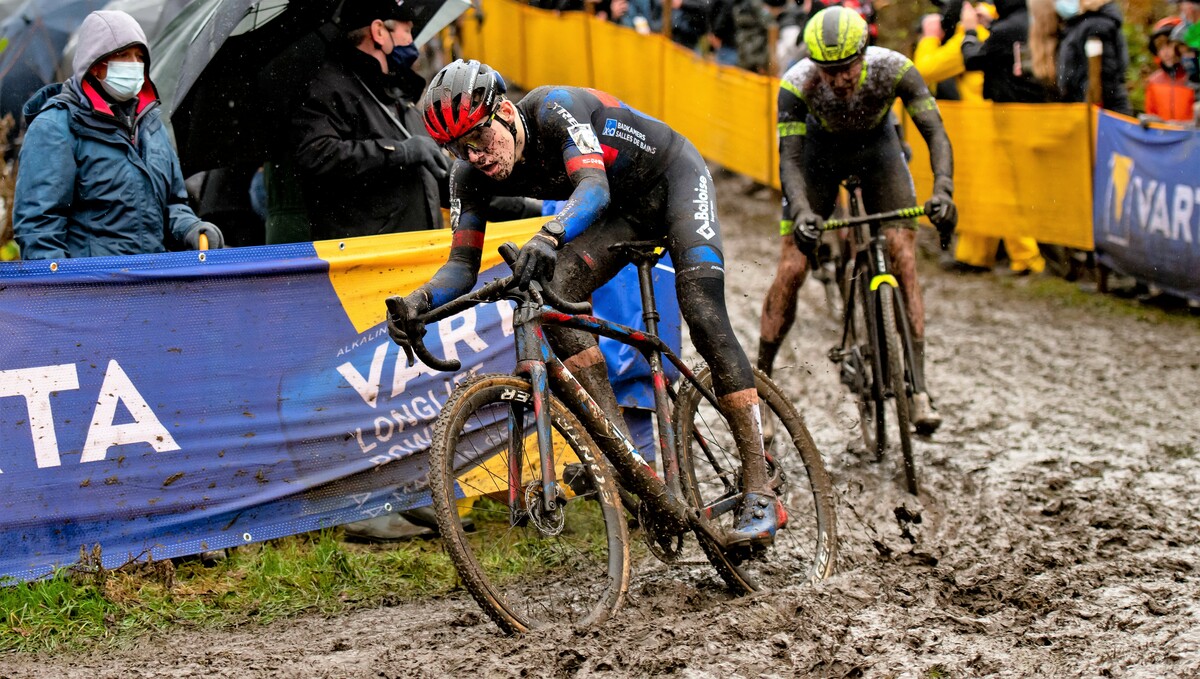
835, 35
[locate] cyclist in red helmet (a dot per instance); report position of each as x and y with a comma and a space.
625, 176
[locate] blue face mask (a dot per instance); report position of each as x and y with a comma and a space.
1066, 8
124, 79
402, 56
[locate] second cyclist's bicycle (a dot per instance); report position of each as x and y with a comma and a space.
875, 354
529, 479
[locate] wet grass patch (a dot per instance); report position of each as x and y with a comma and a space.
311, 573
1071, 295
1178, 451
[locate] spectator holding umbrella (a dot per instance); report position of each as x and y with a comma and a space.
98, 174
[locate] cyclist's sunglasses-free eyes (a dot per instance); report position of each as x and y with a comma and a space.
477, 139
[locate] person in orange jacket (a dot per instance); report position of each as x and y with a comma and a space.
1169, 97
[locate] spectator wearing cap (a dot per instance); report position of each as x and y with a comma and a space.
365, 162
1169, 96
98, 175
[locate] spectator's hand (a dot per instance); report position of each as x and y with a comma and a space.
402, 319
806, 232
618, 8
941, 210
931, 26
216, 240
969, 17
535, 261
425, 151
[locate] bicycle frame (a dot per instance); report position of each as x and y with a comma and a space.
869, 256
537, 362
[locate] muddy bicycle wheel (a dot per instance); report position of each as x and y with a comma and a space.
526, 566
861, 368
894, 355
710, 473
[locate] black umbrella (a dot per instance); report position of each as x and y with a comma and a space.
230, 71
31, 43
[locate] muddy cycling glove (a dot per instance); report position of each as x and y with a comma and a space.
942, 212
536, 260
806, 231
402, 319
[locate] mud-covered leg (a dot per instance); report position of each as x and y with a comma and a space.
779, 306
902, 249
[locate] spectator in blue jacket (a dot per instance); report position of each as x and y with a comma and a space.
98, 175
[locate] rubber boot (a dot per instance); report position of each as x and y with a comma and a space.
924, 416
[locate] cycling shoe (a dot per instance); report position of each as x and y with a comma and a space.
759, 517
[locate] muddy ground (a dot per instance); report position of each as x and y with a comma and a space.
1059, 532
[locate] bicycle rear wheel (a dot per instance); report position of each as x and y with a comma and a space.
894, 355
526, 567
710, 473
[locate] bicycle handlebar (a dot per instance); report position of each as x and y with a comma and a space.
902, 213
494, 291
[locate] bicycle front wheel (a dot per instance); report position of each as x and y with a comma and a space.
893, 347
525, 565
710, 473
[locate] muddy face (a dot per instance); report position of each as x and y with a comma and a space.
842, 79
490, 148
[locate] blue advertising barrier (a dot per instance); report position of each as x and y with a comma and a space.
163, 405
1146, 202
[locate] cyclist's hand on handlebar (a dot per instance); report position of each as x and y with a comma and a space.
806, 231
941, 210
404, 326
535, 261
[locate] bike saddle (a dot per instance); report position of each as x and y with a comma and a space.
639, 250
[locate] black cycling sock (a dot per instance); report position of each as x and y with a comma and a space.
918, 367
766, 355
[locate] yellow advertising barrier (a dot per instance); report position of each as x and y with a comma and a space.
1020, 170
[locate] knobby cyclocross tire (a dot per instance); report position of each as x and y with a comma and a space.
711, 481
526, 569
894, 353
865, 360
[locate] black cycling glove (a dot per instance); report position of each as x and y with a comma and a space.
536, 261
404, 326
806, 231
942, 212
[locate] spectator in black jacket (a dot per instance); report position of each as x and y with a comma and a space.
365, 161
1004, 57
1096, 19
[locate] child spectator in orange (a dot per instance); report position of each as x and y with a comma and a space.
1169, 97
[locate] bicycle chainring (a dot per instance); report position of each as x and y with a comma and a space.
665, 548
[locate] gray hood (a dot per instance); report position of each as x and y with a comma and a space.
102, 33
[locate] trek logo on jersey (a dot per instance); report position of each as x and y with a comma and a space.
564, 113
585, 138
704, 209
618, 129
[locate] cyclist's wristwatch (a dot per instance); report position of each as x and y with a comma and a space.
555, 230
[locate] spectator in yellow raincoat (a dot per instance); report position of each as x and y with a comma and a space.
936, 61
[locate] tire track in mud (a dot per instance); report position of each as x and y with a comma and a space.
1057, 535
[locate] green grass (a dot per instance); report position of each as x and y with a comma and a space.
1067, 294
314, 573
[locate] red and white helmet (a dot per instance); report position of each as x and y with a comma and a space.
462, 96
